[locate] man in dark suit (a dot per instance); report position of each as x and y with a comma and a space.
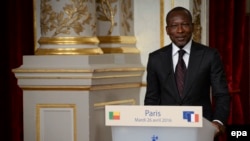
203, 71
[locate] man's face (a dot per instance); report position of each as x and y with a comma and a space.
179, 28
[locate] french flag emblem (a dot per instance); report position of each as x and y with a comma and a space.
190, 116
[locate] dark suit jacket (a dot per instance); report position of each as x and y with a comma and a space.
204, 73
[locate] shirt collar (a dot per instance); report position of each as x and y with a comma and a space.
187, 48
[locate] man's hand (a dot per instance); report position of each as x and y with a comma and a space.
221, 128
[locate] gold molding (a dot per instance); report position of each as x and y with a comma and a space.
172, 3
69, 51
68, 40
39, 106
55, 88
120, 69
144, 84
162, 22
117, 102
117, 39
134, 50
35, 27
132, 69
81, 88
115, 86
20, 70
79, 77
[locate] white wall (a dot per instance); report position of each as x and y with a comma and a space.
147, 30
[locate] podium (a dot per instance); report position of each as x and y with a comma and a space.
158, 123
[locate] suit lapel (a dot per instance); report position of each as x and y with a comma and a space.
167, 64
193, 66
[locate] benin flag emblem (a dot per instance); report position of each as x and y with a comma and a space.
114, 115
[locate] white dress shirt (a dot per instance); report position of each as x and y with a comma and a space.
175, 53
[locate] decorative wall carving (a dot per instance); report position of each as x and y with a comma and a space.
197, 20
106, 12
72, 17
118, 13
127, 16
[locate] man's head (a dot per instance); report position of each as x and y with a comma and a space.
179, 26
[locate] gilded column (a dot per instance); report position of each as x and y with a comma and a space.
65, 27
115, 26
197, 20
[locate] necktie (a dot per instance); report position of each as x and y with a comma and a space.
180, 72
